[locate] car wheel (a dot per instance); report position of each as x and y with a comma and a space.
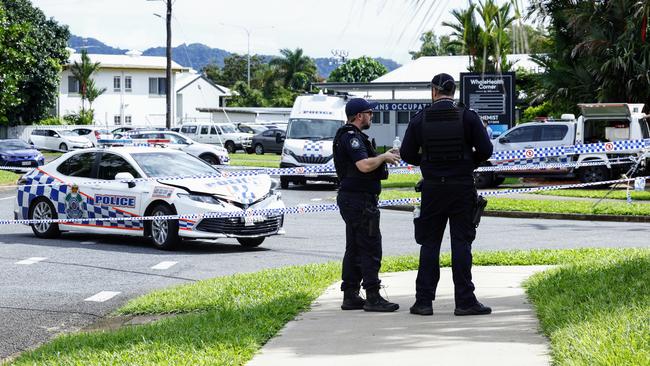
63, 147
259, 149
210, 159
164, 233
484, 180
230, 147
284, 183
42, 209
592, 174
250, 242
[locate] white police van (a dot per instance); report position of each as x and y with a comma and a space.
90, 184
313, 123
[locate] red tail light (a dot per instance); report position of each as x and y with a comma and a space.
96, 134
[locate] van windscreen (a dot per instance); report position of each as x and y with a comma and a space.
312, 129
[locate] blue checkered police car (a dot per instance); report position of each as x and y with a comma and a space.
97, 187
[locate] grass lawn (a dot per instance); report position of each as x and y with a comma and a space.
596, 312
266, 160
618, 194
8, 178
546, 206
226, 320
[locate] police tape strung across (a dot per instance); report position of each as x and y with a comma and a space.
301, 209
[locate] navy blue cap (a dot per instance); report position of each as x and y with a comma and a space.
443, 82
358, 105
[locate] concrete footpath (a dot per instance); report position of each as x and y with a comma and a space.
326, 335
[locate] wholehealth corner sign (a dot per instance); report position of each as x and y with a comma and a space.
492, 96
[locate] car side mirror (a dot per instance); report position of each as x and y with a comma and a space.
125, 176
279, 138
504, 140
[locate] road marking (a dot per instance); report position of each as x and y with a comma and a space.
164, 265
102, 296
31, 260
6, 198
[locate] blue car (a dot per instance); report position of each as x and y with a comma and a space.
16, 153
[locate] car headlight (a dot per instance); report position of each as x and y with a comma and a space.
203, 198
286, 151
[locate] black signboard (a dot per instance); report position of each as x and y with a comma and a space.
492, 96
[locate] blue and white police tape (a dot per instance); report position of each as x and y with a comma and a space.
303, 209
326, 169
599, 147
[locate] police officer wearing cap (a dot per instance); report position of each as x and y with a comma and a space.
447, 142
360, 170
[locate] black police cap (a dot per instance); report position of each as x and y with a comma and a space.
443, 82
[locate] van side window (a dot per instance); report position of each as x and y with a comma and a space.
554, 133
188, 129
204, 130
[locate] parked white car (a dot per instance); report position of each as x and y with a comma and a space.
93, 134
223, 134
86, 197
211, 154
63, 140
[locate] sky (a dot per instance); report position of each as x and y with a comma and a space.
377, 28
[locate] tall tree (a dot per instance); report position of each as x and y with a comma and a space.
296, 69
600, 54
359, 70
234, 69
32, 52
433, 45
83, 72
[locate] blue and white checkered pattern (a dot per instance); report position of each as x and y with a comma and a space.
313, 149
39, 184
240, 187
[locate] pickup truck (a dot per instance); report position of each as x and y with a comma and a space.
599, 122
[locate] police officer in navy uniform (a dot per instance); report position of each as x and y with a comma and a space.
448, 142
360, 170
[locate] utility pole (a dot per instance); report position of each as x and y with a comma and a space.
168, 96
168, 73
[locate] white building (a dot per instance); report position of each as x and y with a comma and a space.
135, 91
247, 114
194, 91
404, 91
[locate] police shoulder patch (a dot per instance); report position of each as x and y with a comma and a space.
355, 143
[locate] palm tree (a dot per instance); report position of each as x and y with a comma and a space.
296, 69
93, 93
83, 72
465, 31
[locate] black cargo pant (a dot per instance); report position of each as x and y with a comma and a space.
362, 257
450, 200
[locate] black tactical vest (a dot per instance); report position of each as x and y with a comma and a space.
443, 136
346, 168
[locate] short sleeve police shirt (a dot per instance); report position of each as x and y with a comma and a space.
354, 146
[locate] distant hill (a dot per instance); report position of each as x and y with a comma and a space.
197, 55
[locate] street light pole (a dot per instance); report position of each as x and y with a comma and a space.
168, 75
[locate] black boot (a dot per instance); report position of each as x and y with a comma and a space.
377, 303
476, 309
352, 300
422, 308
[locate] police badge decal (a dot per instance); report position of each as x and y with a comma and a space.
355, 143
73, 202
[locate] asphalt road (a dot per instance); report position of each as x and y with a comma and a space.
48, 294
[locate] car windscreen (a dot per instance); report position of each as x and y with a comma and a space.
228, 128
313, 129
160, 164
8, 145
67, 133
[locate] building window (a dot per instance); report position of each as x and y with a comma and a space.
403, 117
117, 83
117, 120
127, 120
385, 117
157, 86
73, 85
376, 118
127, 83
